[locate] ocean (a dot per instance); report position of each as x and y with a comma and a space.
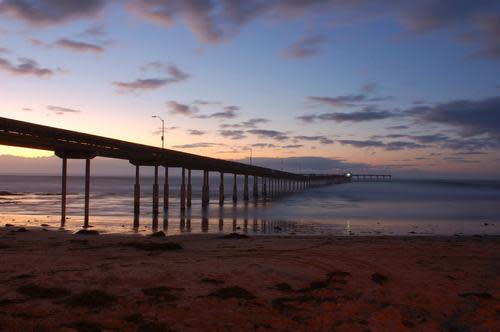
399, 207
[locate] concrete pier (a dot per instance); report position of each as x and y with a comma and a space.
183, 189
189, 190
156, 197
137, 197
245, 189
221, 189
205, 195
87, 193
235, 189
64, 180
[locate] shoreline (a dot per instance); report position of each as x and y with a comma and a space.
261, 283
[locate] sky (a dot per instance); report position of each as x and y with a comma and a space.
404, 87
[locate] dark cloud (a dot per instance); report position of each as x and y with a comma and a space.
46, 12
470, 117
400, 145
197, 145
25, 67
78, 46
251, 123
142, 84
181, 109
345, 100
368, 114
321, 139
195, 132
264, 145
292, 146
228, 113
58, 110
233, 134
175, 76
397, 127
305, 47
274, 134
362, 144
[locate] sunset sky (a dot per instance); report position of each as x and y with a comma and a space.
409, 86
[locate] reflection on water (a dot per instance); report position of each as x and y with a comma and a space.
399, 207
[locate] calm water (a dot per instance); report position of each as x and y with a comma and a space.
400, 207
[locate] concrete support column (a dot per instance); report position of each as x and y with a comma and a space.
87, 193
189, 190
137, 197
235, 190
166, 189
255, 187
264, 187
245, 189
63, 190
221, 189
156, 194
183, 189
205, 199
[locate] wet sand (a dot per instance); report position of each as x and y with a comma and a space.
57, 281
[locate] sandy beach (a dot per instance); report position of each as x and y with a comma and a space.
58, 281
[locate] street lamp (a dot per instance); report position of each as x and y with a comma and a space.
162, 130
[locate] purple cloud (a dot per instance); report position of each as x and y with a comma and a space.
78, 46
25, 67
305, 47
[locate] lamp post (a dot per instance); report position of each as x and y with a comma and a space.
162, 130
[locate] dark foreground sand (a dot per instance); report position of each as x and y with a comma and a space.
56, 281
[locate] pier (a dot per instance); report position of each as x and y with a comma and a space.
371, 177
68, 144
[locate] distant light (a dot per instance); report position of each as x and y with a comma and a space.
348, 175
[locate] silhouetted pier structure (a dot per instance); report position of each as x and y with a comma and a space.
371, 177
68, 144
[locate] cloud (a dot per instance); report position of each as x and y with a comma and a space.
142, 84
251, 123
181, 109
47, 12
175, 76
321, 139
397, 127
274, 134
202, 102
233, 134
362, 144
368, 114
470, 117
58, 110
228, 113
292, 146
264, 145
195, 132
25, 67
305, 47
400, 145
197, 145
78, 46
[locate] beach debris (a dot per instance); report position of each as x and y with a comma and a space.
9, 225
481, 295
83, 326
92, 299
87, 232
212, 281
379, 278
232, 292
153, 246
38, 292
235, 236
153, 326
158, 234
44, 225
283, 287
21, 230
161, 294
